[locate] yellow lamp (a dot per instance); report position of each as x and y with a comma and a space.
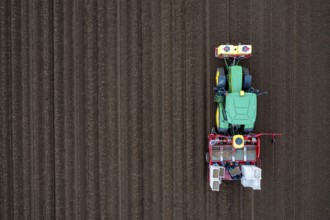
238, 141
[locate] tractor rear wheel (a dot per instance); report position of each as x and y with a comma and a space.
217, 119
207, 157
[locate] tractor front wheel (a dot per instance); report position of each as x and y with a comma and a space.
220, 78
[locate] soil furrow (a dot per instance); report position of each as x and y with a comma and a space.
320, 116
147, 106
26, 75
167, 113
79, 110
178, 146
302, 109
111, 78
124, 57
16, 112
59, 110
190, 106
199, 95
135, 108
157, 110
6, 181
43, 110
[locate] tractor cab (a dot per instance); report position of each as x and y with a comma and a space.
241, 109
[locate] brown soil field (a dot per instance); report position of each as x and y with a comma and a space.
106, 105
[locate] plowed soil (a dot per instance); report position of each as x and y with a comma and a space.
106, 105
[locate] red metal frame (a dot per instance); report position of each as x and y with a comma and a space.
250, 140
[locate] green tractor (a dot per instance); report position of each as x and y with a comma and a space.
235, 97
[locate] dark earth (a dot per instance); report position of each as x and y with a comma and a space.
106, 105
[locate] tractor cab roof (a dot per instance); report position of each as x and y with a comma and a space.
241, 109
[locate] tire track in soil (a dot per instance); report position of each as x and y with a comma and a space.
6, 181
190, 106
31, 104
261, 74
287, 147
270, 152
16, 109
64, 110
103, 108
178, 114
167, 95
279, 66
147, 110
125, 92
107, 44
135, 151
79, 52
21, 132
122, 109
157, 110
264, 119
111, 110
320, 116
302, 113
43, 110
199, 93
91, 156
194, 108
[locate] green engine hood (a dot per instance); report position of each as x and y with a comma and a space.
235, 77
241, 110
